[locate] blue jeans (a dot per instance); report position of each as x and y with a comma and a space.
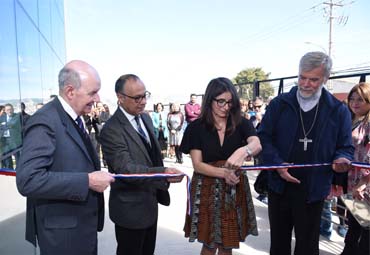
325, 225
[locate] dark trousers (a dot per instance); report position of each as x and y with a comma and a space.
8, 162
178, 154
290, 210
136, 241
357, 241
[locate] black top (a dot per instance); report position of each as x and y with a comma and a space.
298, 155
196, 136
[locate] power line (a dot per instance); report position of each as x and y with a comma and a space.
290, 22
341, 19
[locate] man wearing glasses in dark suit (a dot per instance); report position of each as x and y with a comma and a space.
130, 147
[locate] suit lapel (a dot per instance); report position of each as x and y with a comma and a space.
132, 134
70, 128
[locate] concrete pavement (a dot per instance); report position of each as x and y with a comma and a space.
170, 238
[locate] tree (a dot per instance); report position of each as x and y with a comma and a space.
244, 81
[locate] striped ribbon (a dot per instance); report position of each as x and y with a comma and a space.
162, 175
7, 171
274, 167
11, 172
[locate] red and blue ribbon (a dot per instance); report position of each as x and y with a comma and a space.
7, 171
160, 175
11, 172
274, 167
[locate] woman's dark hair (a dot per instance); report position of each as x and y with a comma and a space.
215, 88
156, 107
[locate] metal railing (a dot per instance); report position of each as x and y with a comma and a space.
256, 84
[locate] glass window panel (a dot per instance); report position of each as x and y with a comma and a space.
58, 32
27, 77
9, 85
28, 57
60, 8
45, 19
50, 67
30, 6
10, 134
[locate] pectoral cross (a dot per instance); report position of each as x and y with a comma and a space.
305, 141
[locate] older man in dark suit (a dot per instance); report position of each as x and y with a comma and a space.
59, 169
129, 146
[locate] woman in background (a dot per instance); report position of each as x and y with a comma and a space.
160, 128
357, 237
175, 120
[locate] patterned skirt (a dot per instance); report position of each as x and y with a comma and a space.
221, 214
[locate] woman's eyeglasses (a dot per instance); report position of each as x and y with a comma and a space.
139, 98
222, 102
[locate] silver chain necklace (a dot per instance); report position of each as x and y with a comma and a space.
305, 134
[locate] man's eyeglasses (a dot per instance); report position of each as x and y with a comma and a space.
222, 102
138, 99
257, 106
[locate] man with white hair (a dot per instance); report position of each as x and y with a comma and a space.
59, 171
306, 125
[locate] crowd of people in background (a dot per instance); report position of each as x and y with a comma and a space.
12, 126
169, 126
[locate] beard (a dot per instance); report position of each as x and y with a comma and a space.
306, 100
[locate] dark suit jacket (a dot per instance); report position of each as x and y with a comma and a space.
53, 174
133, 202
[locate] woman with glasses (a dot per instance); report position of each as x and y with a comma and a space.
219, 141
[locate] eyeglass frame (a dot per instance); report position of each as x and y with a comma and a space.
138, 99
222, 102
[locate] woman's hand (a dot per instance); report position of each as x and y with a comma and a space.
230, 177
236, 160
359, 190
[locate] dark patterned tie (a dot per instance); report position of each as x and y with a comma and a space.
140, 129
81, 126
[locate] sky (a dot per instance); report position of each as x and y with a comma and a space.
177, 47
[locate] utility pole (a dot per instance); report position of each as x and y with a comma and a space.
341, 19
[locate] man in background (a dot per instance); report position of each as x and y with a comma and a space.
192, 109
11, 136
